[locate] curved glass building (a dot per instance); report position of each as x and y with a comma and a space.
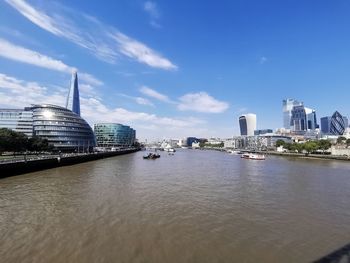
114, 135
64, 129
338, 124
247, 124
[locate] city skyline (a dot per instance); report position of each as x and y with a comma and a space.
142, 64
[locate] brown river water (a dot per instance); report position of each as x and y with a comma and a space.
194, 206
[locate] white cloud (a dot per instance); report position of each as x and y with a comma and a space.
201, 102
24, 55
19, 93
139, 51
152, 9
103, 41
154, 94
93, 109
143, 101
138, 100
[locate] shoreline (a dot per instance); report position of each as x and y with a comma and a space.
307, 156
286, 154
26, 166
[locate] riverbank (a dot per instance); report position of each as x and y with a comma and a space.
289, 154
47, 162
307, 156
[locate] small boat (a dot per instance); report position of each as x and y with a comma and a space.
151, 156
253, 156
169, 149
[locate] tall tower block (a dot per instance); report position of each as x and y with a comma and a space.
73, 101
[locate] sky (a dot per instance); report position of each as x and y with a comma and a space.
172, 69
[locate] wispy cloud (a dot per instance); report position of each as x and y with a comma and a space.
263, 60
103, 41
17, 53
93, 109
138, 100
152, 9
154, 94
139, 51
201, 102
26, 93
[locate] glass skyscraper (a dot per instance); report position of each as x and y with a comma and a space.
247, 124
73, 101
303, 119
114, 135
338, 124
288, 105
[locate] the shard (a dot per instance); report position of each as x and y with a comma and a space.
73, 101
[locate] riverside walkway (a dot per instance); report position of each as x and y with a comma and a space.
19, 164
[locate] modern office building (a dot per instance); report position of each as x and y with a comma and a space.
114, 135
64, 129
326, 124
335, 124
19, 120
73, 101
247, 124
303, 119
261, 132
288, 105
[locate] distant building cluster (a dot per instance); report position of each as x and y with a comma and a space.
64, 128
299, 125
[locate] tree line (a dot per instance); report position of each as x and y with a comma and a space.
11, 141
309, 146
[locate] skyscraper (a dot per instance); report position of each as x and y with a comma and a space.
303, 119
288, 105
338, 124
326, 124
247, 124
73, 101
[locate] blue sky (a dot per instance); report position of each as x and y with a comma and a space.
177, 68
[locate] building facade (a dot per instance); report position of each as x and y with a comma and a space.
114, 135
18, 120
261, 132
288, 105
65, 130
303, 119
247, 124
338, 124
326, 125
73, 100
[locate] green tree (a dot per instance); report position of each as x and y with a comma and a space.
341, 140
348, 142
38, 144
310, 146
12, 141
280, 143
324, 145
297, 147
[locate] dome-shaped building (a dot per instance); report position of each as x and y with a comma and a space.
64, 129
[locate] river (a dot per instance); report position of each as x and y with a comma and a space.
194, 206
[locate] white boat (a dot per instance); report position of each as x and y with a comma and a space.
232, 152
253, 156
169, 149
